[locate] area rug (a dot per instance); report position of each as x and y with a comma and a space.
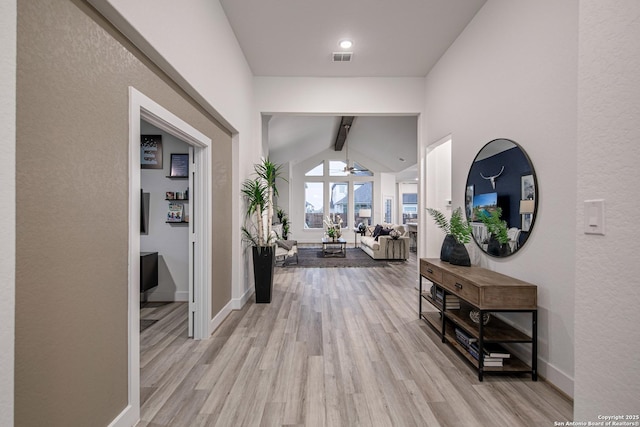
312, 258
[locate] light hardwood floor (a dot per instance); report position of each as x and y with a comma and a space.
336, 347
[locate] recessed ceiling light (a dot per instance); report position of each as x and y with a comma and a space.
345, 44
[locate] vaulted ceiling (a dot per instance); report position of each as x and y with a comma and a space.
387, 142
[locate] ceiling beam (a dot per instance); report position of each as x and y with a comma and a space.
341, 137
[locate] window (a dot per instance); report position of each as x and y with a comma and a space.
388, 203
314, 206
362, 202
359, 170
317, 171
337, 168
349, 196
409, 207
339, 201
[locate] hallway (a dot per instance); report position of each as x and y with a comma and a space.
336, 347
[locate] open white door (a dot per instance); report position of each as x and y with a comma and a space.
192, 241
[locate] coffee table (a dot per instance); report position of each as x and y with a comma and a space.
334, 248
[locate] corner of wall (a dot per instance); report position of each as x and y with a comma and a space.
8, 29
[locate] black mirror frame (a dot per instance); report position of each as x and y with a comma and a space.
532, 172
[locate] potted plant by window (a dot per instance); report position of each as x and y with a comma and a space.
498, 244
258, 193
458, 233
284, 220
334, 226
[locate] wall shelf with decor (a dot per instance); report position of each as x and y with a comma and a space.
176, 212
178, 196
463, 297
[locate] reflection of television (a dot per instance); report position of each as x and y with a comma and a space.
486, 202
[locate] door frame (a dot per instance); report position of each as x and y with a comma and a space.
142, 107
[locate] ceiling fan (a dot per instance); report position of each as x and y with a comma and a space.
349, 167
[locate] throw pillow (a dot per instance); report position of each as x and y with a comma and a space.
383, 232
376, 231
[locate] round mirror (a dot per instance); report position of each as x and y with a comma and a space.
501, 198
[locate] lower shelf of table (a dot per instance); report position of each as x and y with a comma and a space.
510, 365
334, 253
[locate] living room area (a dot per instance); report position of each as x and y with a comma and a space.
349, 187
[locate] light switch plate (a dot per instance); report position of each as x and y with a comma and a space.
594, 217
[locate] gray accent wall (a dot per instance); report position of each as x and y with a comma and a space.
74, 71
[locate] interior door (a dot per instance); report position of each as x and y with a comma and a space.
192, 243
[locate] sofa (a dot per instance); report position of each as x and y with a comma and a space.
378, 244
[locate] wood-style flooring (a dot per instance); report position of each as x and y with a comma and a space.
336, 347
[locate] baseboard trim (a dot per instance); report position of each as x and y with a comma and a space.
181, 296
219, 318
556, 378
551, 374
126, 418
164, 296
238, 303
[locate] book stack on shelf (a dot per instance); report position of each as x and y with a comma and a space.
493, 354
175, 213
453, 302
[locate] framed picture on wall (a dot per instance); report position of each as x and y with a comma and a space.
528, 187
468, 202
179, 165
151, 151
527, 192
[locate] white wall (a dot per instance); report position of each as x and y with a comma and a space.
387, 189
220, 80
8, 196
607, 269
512, 74
346, 96
171, 241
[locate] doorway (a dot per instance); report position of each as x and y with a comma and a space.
143, 108
164, 233
438, 190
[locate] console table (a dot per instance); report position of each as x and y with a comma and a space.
488, 292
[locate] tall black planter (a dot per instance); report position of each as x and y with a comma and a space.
447, 247
264, 261
459, 255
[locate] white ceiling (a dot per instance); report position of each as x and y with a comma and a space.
400, 38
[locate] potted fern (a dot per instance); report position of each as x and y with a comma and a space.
258, 193
498, 244
458, 233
